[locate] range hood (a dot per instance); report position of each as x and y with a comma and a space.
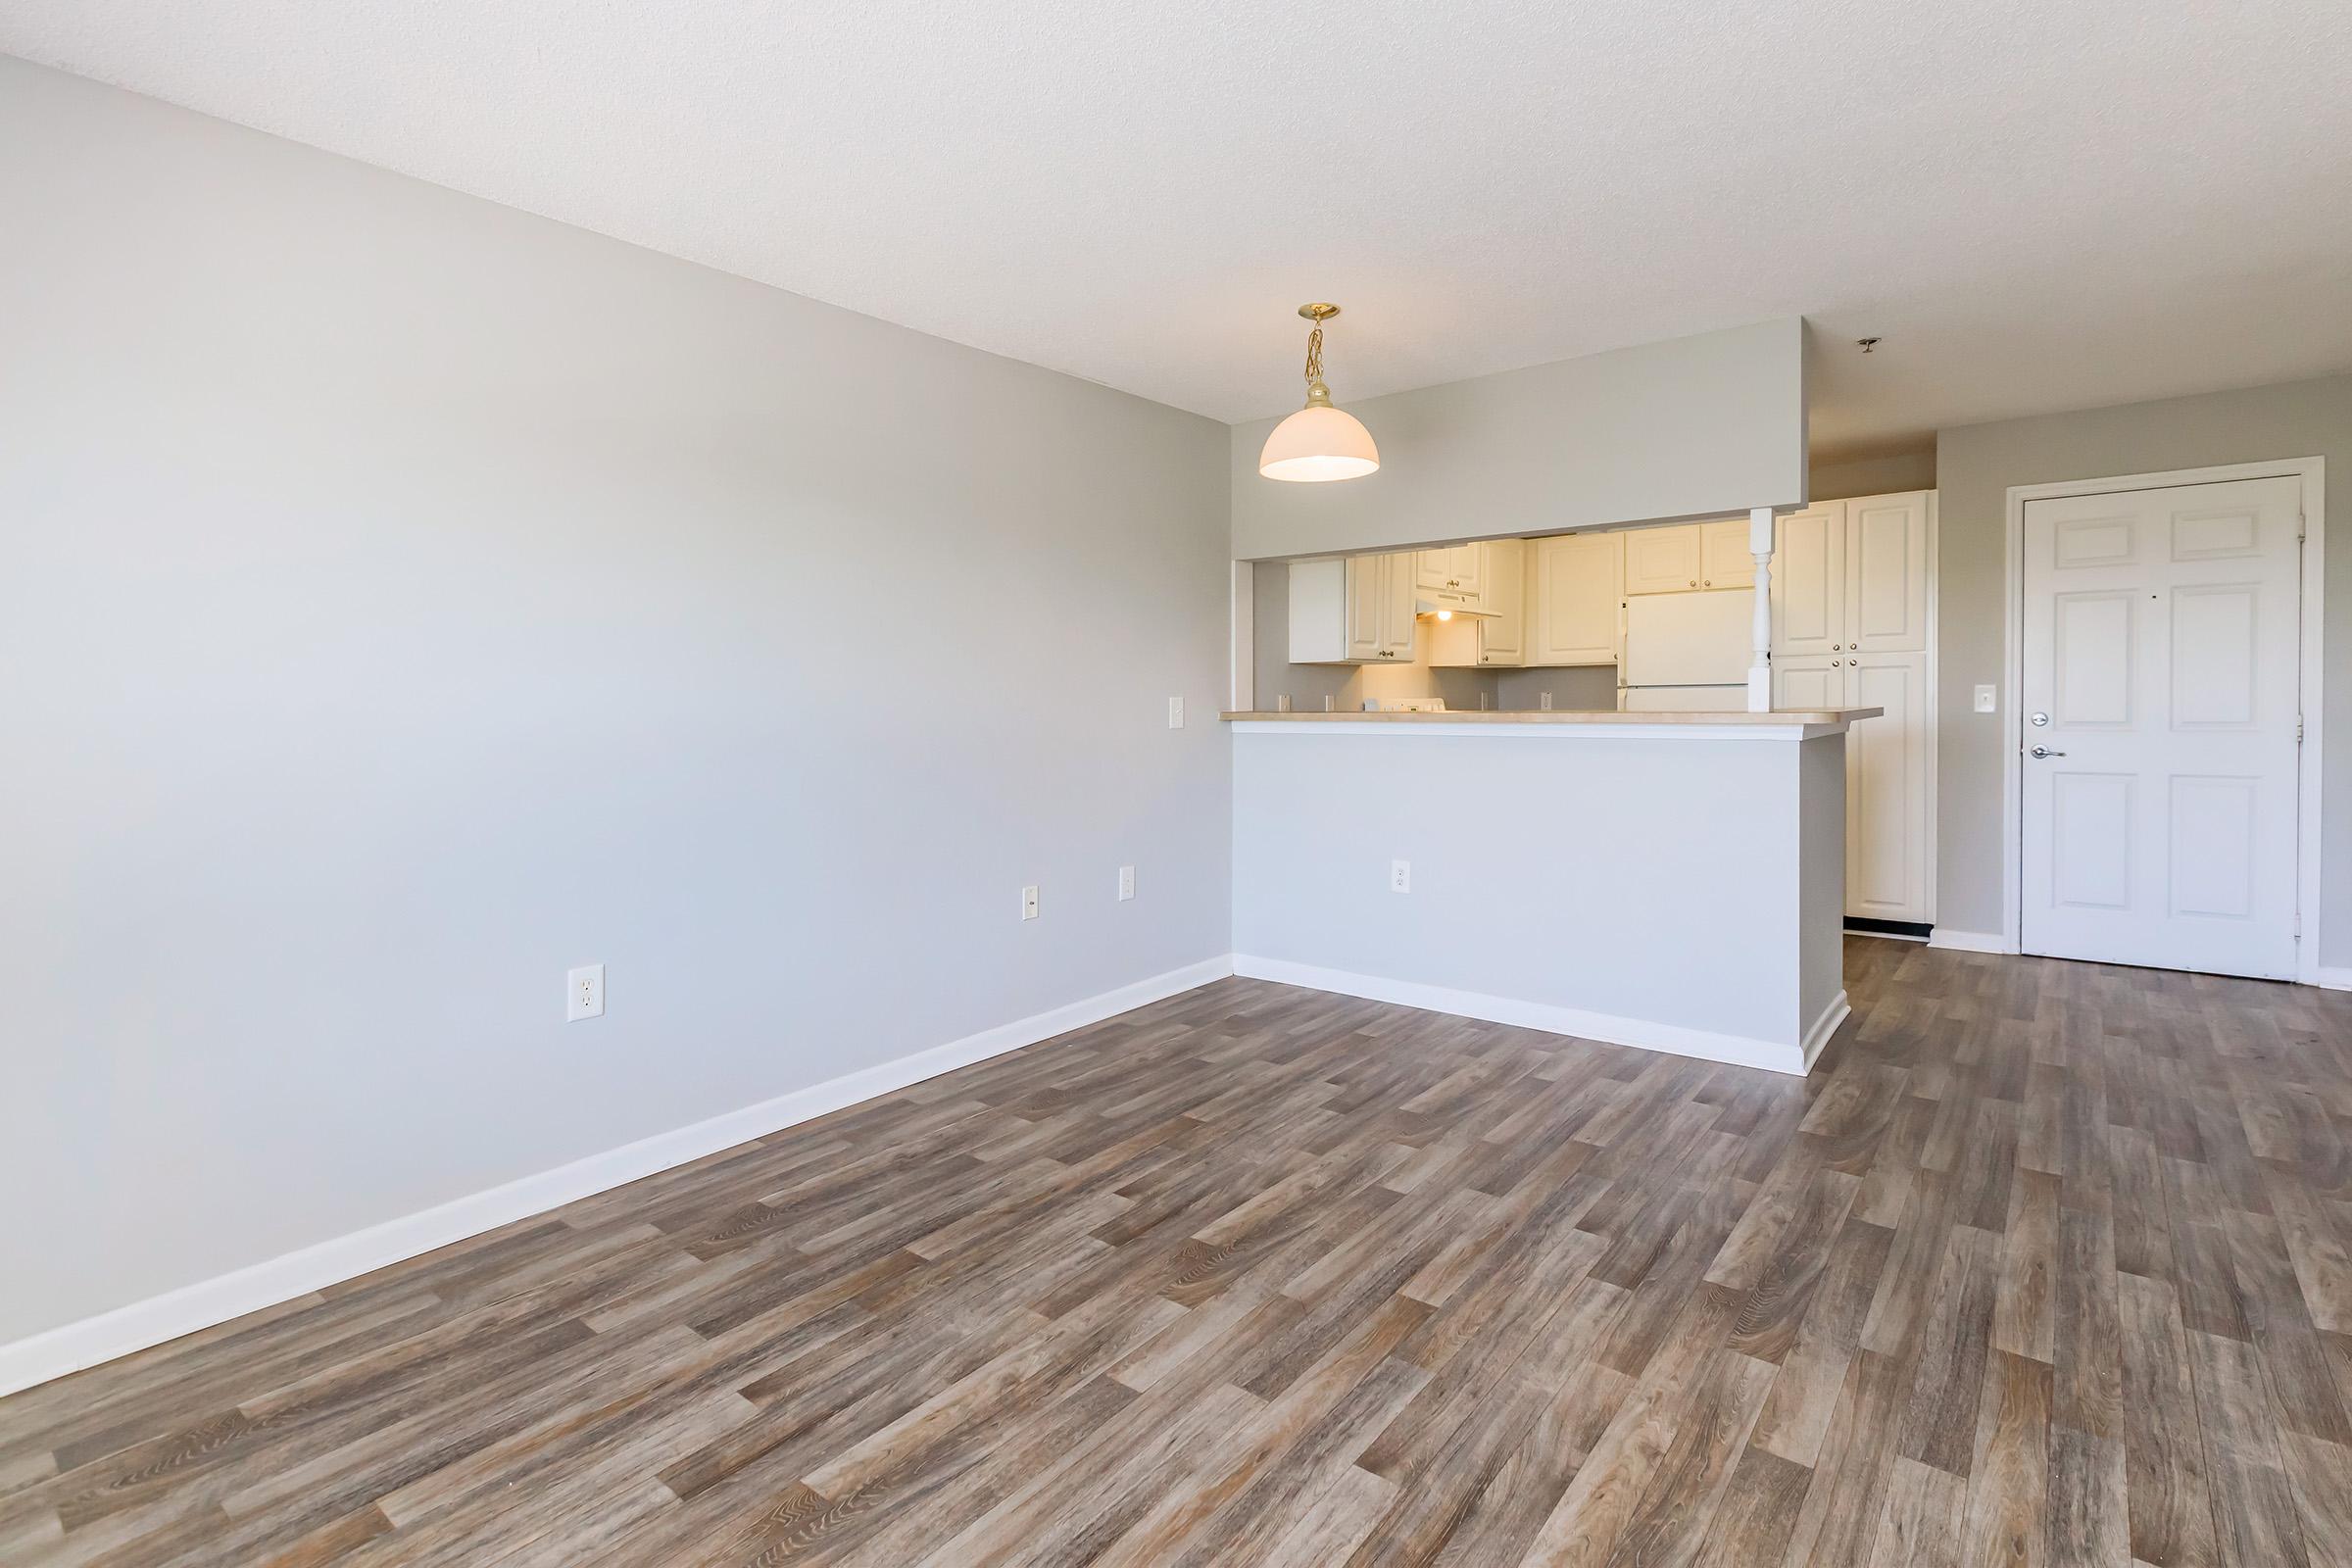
1435, 604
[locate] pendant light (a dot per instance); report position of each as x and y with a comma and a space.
1319, 442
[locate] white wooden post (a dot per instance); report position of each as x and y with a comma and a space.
1759, 670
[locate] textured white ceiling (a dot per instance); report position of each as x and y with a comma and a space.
2039, 203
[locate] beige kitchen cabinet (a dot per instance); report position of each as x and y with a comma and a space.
1808, 583
1497, 639
1663, 560
1724, 558
1855, 576
1452, 568
1808, 682
1575, 587
1890, 841
1355, 610
1887, 572
1454, 576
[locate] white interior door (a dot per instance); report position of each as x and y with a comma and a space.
2160, 688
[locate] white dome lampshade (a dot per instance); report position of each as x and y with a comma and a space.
1319, 442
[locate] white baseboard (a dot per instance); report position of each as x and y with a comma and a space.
1837, 1012
1741, 1051
1943, 935
2333, 978
71, 1346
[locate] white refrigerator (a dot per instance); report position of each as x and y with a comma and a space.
1687, 653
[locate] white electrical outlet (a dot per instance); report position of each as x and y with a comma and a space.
1126, 882
1175, 713
1029, 902
584, 993
1984, 700
1401, 876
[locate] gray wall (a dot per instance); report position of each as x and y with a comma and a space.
1888, 474
403, 599
1692, 428
1974, 467
1572, 686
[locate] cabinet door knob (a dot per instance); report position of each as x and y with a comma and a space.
1695, 582
1709, 583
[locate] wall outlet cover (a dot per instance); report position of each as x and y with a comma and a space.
584, 993
1401, 876
1126, 882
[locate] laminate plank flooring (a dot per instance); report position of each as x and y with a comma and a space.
2045, 1264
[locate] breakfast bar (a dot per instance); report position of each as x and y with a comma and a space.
1669, 880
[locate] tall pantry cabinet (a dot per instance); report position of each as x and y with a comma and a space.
1853, 605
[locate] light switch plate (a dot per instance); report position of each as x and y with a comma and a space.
1175, 713
1029, 902
1984, 700
1126, 882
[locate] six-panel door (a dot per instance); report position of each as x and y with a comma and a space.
2160, 723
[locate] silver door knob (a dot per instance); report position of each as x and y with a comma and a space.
2043, 750
2038, 720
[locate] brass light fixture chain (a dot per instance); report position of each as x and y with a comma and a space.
1314, 356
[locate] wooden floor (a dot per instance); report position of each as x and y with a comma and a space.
2046, 1262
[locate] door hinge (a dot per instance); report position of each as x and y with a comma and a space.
2298, 729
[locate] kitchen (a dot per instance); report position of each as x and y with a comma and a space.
1650, 619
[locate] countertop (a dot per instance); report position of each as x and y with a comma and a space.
1799, 717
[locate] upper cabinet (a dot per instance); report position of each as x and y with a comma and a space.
1887, 572
1358, 611
1454, 575
1723, 558
1663, 560
1497, 639
1688, 558
1808, 583
1575, 585
1851, 577
1502, 579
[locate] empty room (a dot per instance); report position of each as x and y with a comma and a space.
1175, 784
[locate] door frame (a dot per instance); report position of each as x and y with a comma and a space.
2310, 698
